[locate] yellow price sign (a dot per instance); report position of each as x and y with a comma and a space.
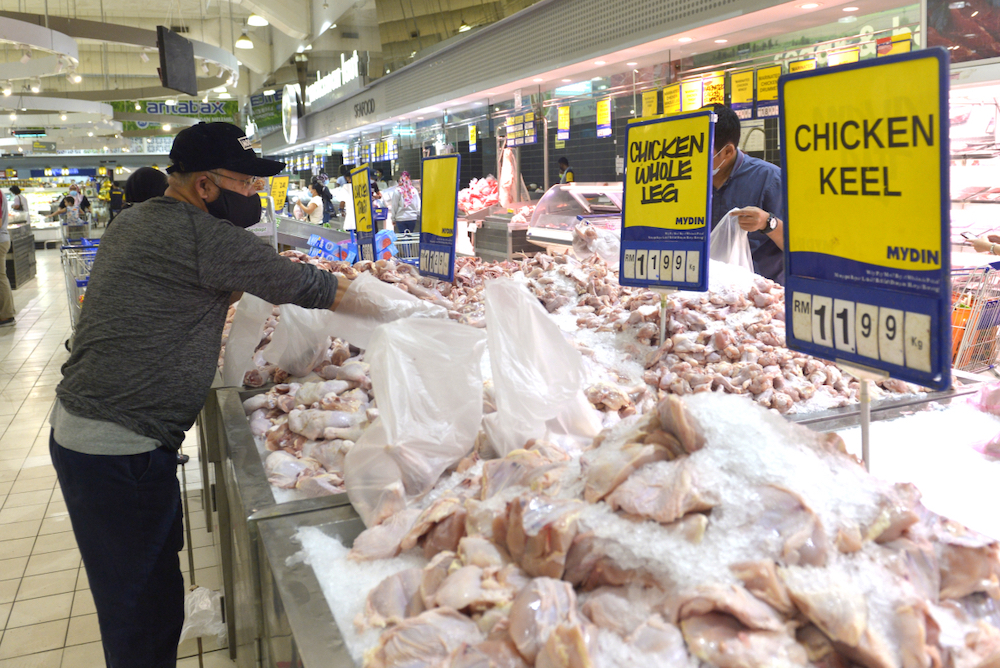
865, 154
802, 65
742, 95
604, 117
714, 88
843, 57
672, 99
691, 93
472, 139
650, 103
667, 201
767, 90
362, 196
279, 191
438, 214
562, 127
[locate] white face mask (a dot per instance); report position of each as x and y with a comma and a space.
716, 170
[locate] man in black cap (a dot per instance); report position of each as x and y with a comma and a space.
143, 360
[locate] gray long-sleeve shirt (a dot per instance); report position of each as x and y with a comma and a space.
149, 334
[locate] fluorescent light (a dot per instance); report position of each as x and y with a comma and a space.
599, 62
847, 19
684, 40
308, 48
171, 102
721, 41
850, 9
631, 64
538, 80
244, 42
269, 91
809, 5
257, 20
567, 81
166, 127
973, 15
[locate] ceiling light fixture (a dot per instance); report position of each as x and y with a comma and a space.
847, 19
269, 92
721, 41
851, 9
631, 64
567, 81
465, 27
599, 63
244, 42
25, 54
219, 89
138, 107
166, 127
684, 40
36, 86
974, 14
8, 88
62, 117
143, 57
13, 115
256, 20
74, 78
224, 96
809, 5
538, 80
171, 102
204, 68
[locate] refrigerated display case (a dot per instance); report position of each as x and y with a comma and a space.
566, 205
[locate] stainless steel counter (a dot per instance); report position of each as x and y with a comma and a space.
299, 628
295, 233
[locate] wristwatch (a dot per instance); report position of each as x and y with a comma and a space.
771, 225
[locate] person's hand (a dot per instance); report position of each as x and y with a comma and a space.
994, 238
752, 218
982, 244
343, 283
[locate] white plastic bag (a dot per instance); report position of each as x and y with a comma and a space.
203, 615
244, 337
428, 385
537, 375
589, 240
300, 339
369, 303
730, 243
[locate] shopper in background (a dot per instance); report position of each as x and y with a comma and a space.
143, 184
68, 208
988, 244
753, 186
6, 297
344, 175
312, 208
116, 201
143, 359
20, 204
404, 205
74, 192
566, 174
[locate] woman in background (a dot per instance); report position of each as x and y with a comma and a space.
404, 205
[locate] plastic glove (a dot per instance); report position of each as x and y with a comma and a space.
369, 303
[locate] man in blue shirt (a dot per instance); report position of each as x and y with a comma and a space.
754, 187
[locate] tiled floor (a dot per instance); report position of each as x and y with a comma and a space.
47, 616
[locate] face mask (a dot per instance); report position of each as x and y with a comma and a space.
240, 210
717, 169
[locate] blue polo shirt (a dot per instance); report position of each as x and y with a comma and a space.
754, 182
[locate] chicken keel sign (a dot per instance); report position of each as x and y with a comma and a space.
865, 157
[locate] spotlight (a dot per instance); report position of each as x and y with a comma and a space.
220, 89
224, 96
138, 107
36, 86
166, 127
171, 102
90, 134
13, 115
74, 78
269, 92
25, 54
62, 117
143, 57
8, 88
204, 68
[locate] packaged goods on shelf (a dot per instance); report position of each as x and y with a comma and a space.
707, 530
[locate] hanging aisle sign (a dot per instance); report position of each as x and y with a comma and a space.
767, 91
714, 84
742, 95
439, 211
802, 66
604, 117
865, 156
843, 57
361, 195
472, 139
562, 128
650, 103
667, 202
691, 92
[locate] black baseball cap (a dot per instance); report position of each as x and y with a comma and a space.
208, 146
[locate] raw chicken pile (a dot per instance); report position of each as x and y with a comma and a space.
308, 427
522, 216
480, 194
706, 532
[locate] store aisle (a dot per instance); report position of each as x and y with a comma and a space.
47, 617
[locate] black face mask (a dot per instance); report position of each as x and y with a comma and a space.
240, 210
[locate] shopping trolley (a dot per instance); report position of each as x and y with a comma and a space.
77, 261
75, 231
408, 245
975, 317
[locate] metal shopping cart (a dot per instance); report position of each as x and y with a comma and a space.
408, 246
975, 317
75, 230
76, 262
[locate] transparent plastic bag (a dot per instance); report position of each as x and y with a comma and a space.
300, 339
244, 337
537, 375
369, 303
589, 240
203, 615
729, 242
428, 385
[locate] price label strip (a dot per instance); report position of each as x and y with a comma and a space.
361, 194
439, 211
667, 202
865, 155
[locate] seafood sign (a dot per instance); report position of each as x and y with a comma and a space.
865, 171
668, 196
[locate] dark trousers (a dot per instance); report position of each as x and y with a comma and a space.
405, 226
127, 518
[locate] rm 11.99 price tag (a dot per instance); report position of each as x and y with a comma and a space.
438, 214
